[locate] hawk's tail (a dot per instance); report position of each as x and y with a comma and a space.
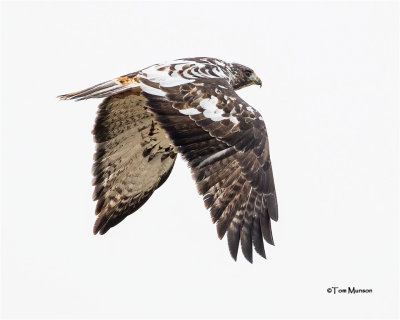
104, 89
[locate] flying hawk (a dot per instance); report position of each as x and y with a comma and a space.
188, 106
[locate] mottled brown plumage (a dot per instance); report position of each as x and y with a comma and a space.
133, 158
188, 106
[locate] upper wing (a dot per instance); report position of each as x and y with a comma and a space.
225, 142
133, 157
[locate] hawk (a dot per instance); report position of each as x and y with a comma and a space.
188, 106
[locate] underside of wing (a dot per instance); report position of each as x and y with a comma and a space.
134, 156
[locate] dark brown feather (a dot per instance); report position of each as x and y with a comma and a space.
230, 162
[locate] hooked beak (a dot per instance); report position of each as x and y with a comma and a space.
259, 82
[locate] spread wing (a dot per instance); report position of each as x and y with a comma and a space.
133, 158
223, 139
226, 144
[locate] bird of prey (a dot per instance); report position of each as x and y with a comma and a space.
188, 106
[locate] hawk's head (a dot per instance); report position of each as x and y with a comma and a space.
243, 76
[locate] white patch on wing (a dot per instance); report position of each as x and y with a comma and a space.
151, 90
175, 82
214, 116
163, 78
211, 110
209, 104
214, 113
189, 111
233, 119
250, 109
216, 156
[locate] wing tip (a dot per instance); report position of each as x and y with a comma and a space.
103, 224
261, 252
249, 258
98, 226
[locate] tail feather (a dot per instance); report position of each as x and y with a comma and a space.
104, 89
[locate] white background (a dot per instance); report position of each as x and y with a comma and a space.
329, 98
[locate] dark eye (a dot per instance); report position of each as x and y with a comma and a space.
248, 73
